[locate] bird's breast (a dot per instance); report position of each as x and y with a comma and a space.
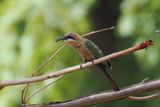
85, 53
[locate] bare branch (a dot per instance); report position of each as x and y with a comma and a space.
104, 96
75, 68
97, 31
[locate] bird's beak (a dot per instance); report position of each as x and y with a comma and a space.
60, 39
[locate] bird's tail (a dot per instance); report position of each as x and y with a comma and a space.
109, 77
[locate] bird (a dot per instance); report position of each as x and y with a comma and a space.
89, 51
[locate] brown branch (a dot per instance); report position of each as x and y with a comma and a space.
75, 68
104, 96
97, 31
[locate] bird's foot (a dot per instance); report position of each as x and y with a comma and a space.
86, 62
81, 65
92, 61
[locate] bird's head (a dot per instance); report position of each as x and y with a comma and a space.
70, 38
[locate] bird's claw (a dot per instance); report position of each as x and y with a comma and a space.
86, 62
81, 66
92, 61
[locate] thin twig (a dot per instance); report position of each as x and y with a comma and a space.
135, 97
24, 94
26, 88
41, 89
78, 67
97, 31
152, 96
48, 60
149, 97
144, 80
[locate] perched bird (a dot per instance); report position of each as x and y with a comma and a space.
89, 51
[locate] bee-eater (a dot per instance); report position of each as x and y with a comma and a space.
89, 51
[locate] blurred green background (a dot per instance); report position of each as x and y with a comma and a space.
28, 29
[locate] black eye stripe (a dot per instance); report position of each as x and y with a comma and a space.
69, 37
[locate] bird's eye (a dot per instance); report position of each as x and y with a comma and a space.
70, 37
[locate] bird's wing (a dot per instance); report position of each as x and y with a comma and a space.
96, 52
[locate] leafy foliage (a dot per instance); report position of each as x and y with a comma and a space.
140, 20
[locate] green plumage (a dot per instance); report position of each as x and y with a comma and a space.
96, 53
